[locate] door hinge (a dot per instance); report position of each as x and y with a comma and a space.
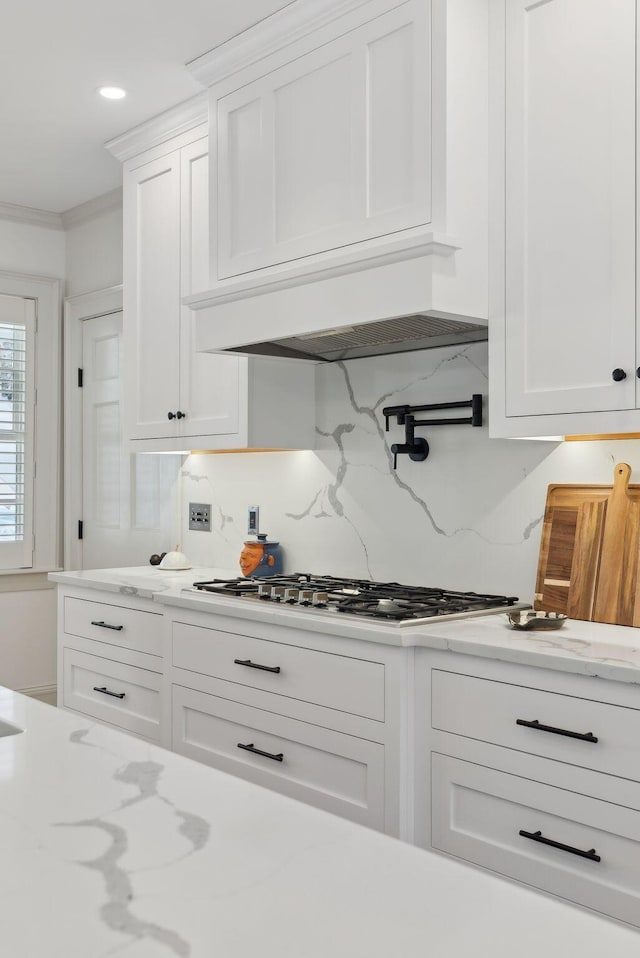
80, 529
80, 378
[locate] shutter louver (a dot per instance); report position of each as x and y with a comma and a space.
17, 322
12, 430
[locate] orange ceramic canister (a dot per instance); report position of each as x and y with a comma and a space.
261, 558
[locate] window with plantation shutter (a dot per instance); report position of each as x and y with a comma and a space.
17, 346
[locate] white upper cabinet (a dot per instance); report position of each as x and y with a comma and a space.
328, 150
563, 326
330, 198
151, 203
175, 398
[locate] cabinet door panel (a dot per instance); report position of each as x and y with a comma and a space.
130, 697
313, 150
243, 205
339, 773
570, 205
392, 128
479, 814
210, 384
152, 297
330, 149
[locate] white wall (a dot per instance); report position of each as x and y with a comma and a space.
469, 517
94, 244
32, 249
27, 602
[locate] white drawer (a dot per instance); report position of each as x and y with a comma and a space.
322, 678
134, 704
479, 813
490, 711
337, 772
115, 624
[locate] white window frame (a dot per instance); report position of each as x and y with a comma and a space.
42, 450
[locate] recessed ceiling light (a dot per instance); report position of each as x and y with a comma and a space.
112, 92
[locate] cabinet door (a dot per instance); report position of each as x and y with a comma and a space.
570, 205
340, 773
152, 297
331, 149
209, 383
571, 845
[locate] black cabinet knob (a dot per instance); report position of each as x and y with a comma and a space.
171, 415
181, 415
618, 375
638, 372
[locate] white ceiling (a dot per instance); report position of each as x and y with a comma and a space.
54, 56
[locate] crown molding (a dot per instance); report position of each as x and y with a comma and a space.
266, 37
179, 119
25, 214
92, 208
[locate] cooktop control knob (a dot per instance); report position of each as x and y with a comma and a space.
264, 591
305, 596
320, 599
277, 593
291, 595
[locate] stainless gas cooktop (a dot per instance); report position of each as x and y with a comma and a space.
388, 602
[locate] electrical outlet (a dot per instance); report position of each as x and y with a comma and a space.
200, 516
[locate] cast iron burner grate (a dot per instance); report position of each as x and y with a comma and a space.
389, 601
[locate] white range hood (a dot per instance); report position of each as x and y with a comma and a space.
348, 136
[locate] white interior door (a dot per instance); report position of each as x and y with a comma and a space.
129, 507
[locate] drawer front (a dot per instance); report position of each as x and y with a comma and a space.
334, 681
479, 813
490, 711
337, 772
114, 624
134, 704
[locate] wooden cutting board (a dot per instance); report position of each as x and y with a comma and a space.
589, 564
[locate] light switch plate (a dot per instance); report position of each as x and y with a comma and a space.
253, 520
200, 516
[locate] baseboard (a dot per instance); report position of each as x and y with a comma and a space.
44, 693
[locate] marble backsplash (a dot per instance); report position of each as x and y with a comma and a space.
469, 517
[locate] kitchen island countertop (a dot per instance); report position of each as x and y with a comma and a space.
114, 846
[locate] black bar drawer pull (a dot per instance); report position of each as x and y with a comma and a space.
583, 736
258, 751
539, 837
105, 625
254, 665
105, 691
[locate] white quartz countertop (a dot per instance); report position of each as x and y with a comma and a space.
112, 846
584, 648
142, 581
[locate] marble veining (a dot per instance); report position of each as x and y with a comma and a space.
112, 846
469, 517
117, 912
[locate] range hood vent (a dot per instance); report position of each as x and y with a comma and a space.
379, 338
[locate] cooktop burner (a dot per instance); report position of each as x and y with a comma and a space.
388, 601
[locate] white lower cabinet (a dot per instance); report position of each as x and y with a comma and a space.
119, 694
337, 772
574, 846
110, 659
308, 714
531, 774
